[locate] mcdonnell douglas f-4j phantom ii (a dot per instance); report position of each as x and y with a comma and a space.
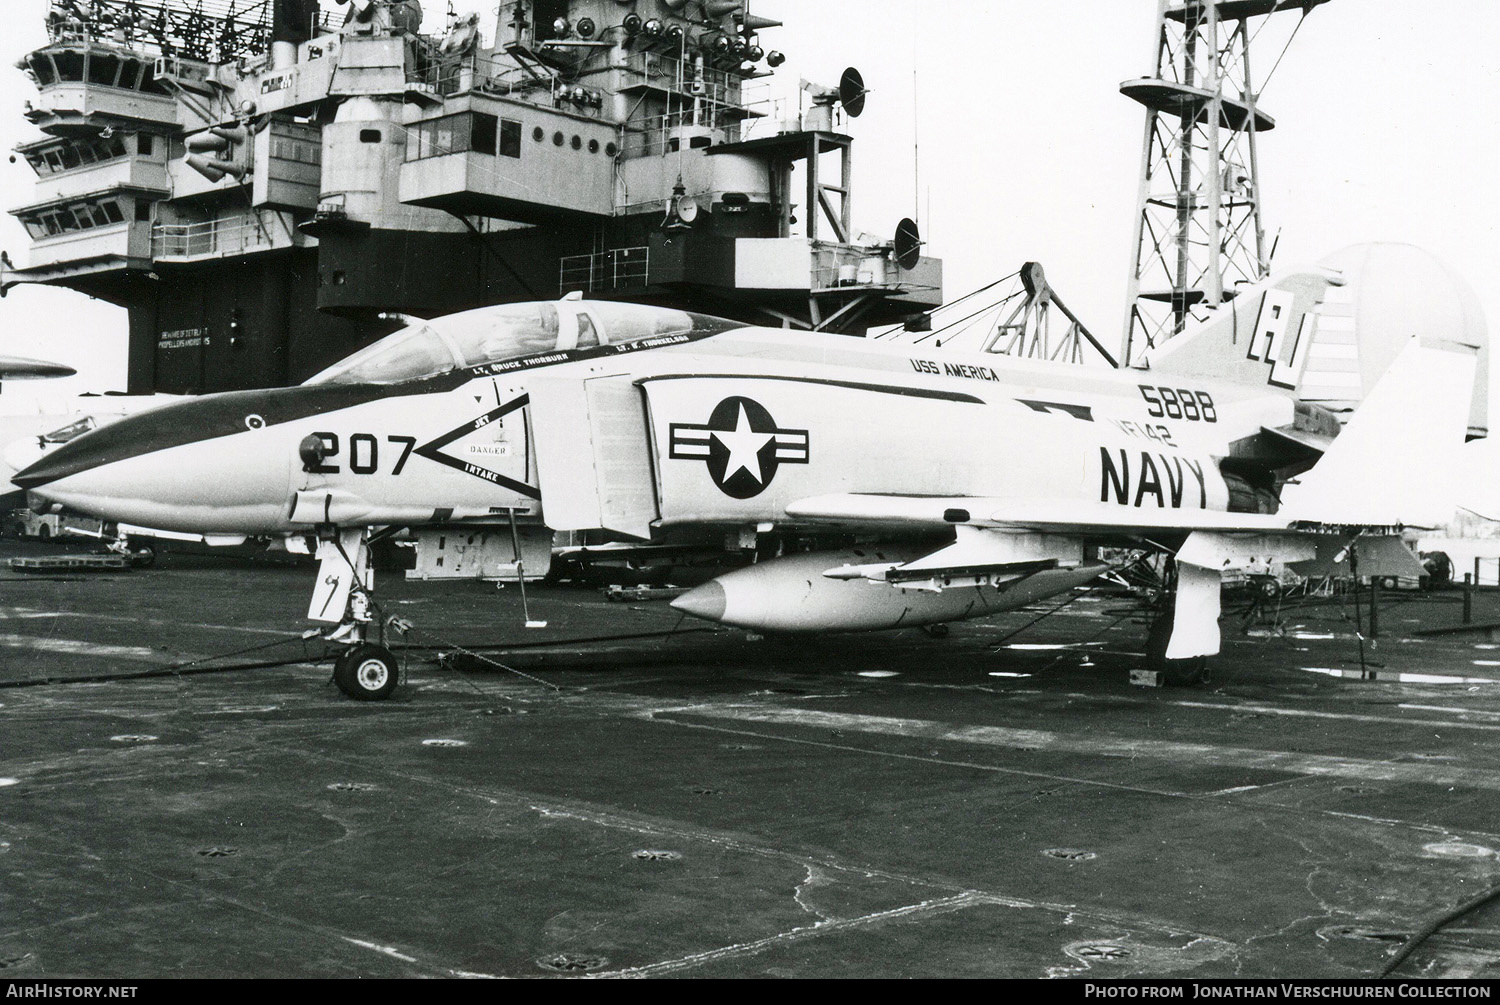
969, 483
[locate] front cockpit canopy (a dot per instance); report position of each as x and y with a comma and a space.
504, 332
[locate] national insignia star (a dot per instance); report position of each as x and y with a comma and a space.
744, 445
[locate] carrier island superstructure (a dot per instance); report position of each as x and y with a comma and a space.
267, 185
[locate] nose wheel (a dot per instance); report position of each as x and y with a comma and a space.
367, 672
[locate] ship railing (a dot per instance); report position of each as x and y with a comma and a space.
210, 30
447, 75
616, 269
325, 23
217, 238
657, 134
685, 77
774, 114
77, 33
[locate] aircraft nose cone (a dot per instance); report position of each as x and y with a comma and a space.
221, 463
154, 430
21, 454
37, 468
706, 601
178, 466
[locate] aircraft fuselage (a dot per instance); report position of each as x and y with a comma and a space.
726, 429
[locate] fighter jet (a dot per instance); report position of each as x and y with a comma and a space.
884, 485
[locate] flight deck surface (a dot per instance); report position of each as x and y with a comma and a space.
701, 804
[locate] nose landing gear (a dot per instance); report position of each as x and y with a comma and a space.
367, 672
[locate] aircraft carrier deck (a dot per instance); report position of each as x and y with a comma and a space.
699, 804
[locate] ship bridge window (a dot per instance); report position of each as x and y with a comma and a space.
76, 153
42, 69
149, 83
483, 132
69, 65
103, 69
72, 218
466, 132
510, 138
288, 148
131, 72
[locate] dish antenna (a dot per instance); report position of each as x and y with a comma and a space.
849, 95
908, 243
852, 92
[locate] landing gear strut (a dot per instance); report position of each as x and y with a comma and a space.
1191, 670
365, 671
1174, 673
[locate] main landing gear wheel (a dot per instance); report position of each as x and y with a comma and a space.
367, 672
1174, 673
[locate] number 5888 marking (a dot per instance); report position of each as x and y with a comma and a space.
1179, 403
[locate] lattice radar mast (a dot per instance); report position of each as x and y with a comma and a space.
1198, 228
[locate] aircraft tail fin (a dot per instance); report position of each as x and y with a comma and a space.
1262, 337
1329, 333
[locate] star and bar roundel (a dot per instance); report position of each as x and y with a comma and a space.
741, 444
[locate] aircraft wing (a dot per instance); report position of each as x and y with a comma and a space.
1056, 516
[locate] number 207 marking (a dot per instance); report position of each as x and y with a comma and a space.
1179, 403
364, 453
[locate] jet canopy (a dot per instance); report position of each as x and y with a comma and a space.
511, 331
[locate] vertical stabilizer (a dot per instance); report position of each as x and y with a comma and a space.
1262, 337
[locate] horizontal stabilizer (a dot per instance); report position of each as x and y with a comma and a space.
1298, 442
1378, 556
1396, 461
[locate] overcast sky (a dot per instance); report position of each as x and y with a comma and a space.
1386, 129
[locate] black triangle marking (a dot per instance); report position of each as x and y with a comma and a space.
432, 450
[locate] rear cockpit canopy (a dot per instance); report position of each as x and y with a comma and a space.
489, 335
